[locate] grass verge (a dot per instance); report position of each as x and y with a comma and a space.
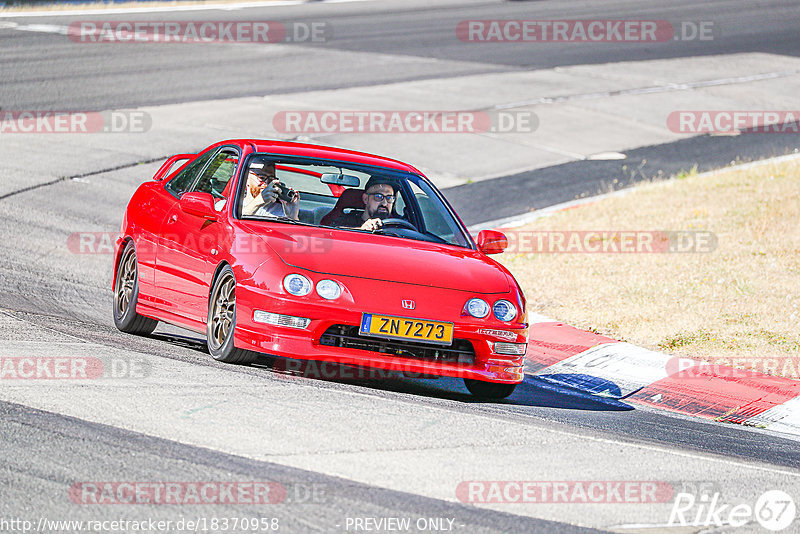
738, 305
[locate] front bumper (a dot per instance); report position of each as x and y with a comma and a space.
306, 344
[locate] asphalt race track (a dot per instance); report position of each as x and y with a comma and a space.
349, 450
41, 75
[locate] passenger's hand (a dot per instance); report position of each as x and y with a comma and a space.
372, 224
292, 209
269, 192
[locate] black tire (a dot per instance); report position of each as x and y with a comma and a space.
222, 321
489, 390
126, 294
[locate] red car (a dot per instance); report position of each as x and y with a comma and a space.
316, 253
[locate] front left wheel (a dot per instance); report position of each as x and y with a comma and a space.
126, 294
489, 390
222, 321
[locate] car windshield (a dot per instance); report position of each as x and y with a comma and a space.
347, 196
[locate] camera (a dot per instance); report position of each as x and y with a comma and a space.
287, 194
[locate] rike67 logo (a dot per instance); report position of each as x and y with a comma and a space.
774, 510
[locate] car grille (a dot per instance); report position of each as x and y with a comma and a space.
461, 351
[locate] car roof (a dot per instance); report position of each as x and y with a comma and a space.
318, 151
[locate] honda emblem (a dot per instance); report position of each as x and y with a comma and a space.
408, 304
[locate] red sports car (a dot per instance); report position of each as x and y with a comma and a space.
316, 253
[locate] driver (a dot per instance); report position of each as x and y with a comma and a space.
378, 198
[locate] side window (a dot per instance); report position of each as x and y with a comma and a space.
218, 173
184, 180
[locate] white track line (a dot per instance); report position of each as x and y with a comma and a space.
167, 9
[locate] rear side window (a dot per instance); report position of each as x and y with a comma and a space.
184, 180
219, 172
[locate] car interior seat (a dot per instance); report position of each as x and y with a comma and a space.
350, 198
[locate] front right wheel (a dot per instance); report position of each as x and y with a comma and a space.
222, 321
489, 390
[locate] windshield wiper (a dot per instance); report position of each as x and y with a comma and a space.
281, 218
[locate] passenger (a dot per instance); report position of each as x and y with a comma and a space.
261, 196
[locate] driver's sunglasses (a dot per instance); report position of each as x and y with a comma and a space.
380, 197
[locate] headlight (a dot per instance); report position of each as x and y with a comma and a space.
328, 289
477, 308
504, 310
297, 285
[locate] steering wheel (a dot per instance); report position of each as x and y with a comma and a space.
397, 223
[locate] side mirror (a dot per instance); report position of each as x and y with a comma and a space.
169, 164
492, 242
200, 204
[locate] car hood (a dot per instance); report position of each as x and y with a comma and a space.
385, 258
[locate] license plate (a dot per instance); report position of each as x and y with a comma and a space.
392, 327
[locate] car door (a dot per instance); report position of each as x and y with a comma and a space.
188, 242
156, 206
